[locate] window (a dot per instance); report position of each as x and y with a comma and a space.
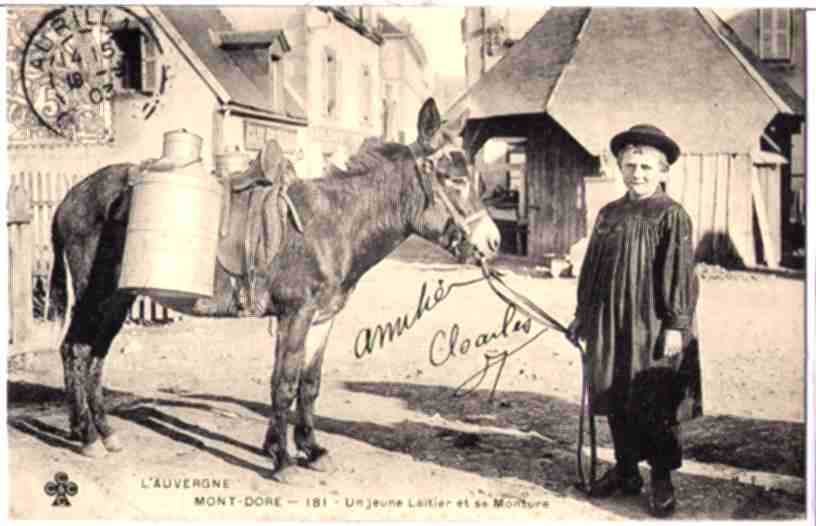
604, 166
389, 116
366, 95
139, 62
331, 78
775, 34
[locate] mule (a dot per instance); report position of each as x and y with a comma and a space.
352, 220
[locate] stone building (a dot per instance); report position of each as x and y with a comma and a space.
310, 77
334, 70
406, 80
488, 32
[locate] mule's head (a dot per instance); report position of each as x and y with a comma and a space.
454, 215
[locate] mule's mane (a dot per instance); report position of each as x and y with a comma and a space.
370, 157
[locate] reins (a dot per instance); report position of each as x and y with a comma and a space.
524, 305
519, 301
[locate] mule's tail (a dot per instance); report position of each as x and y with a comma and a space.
58, 286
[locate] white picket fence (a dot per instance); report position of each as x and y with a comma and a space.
47, 190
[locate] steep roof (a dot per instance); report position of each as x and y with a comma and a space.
390, 31
776, 85
524, 79
386, 27
598, 71
192, 24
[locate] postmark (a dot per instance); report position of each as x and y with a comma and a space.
77, 59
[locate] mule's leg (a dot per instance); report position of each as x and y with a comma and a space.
69, 374
116, 312
92, 329
96, 317
292, 329
75, 358
76, 350
309, 389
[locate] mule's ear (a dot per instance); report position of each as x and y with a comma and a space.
270, 159
429, 121
458, 126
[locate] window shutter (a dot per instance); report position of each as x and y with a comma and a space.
330, 83
150, 66
365, 95
783, 31
338, 86
775, 34
276, 84
325, 84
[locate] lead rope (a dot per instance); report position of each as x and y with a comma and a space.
585, 481
493, 278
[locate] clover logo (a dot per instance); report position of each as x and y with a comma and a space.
61, 488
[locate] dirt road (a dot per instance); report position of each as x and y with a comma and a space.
190, 400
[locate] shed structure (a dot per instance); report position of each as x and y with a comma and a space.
580, 75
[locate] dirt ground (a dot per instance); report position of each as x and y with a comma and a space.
412, 433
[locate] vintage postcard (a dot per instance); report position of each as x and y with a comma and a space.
283, 263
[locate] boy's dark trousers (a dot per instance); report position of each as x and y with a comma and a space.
657, 444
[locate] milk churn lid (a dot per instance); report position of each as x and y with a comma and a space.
181, 146
232, 161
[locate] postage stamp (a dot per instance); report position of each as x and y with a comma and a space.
426, 263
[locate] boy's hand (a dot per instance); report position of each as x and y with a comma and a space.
673, 342
574, 331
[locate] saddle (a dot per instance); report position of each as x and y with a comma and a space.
254, 212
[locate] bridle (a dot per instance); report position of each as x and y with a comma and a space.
426, 164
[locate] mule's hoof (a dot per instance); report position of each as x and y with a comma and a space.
112, 443
321, 462
94, 450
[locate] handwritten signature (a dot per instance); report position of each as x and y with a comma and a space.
441, 351
493, 360
448, 344
453, 346
369, 338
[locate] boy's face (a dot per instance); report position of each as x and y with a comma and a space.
643, 169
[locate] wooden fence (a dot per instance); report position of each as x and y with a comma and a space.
734, 203
46, 190
18, 224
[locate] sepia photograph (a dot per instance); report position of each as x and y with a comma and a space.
420, 262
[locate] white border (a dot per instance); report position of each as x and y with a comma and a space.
810, 189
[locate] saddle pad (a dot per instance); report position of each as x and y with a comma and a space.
254, 230
231, 246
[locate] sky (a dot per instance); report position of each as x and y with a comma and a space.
439, 31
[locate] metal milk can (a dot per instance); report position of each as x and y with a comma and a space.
172, 234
